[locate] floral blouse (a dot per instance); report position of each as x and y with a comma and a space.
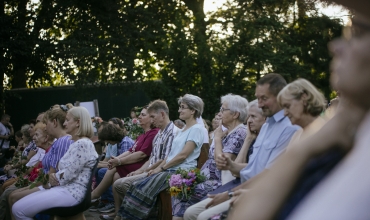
76, 166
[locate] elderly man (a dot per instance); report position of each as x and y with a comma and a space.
159, 113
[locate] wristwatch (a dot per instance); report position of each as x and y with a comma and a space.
163, 168
231, 194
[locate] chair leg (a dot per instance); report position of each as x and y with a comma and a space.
79, 216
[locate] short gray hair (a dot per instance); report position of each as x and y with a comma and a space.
194, 103
236, 103
255, 103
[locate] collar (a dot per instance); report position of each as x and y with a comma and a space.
278, 116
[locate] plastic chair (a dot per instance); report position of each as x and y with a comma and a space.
79, 208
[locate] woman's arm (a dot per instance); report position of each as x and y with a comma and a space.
179, 158
129, 159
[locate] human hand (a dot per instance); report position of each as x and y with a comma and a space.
53, 180
218, 133
155, 171
7, 167
223, 162
236, 196
251, 135
137, 172
113, 162
217, 199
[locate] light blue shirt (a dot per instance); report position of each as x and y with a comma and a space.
111, 151
194, 134
272, 140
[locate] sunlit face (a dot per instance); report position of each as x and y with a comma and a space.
266, 100
293, 109
144, 119
70, 124
255, 119
157, 118
185, 111
39, 137
351, 63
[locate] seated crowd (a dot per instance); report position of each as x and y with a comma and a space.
281, 156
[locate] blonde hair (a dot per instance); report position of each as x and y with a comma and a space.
315, 101
86, 128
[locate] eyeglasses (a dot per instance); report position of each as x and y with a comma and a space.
357, 29
183, 107
224, 109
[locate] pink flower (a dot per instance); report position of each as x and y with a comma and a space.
135, 121
176, 180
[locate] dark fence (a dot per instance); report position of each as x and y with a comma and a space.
114, 100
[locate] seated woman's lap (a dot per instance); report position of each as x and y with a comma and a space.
32, 204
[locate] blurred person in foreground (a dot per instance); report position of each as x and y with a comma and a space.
343, 193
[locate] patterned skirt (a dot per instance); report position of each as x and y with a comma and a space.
140, 200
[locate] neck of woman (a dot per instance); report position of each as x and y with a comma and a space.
307, 120
60, 133
190, 122
146, 128
75, 137
232, 125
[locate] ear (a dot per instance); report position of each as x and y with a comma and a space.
163, 114
236, 115
55, 123
304, 99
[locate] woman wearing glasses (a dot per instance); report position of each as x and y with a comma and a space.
228, 143
142, 196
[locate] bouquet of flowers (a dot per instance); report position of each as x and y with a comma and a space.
183, 182
133, 128
41, 178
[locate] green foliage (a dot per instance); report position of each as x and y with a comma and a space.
169, 46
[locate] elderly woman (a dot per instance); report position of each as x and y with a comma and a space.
303, 104
255, 122
140, 200
234, 113
75, 167
43, 141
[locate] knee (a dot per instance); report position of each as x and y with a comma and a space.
190, 213
17, 211
119, 187
102, 172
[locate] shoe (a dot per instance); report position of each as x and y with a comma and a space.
95, 208
109, 207
107, 217
94, 200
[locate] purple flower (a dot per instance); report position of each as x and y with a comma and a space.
189, 182
191, 174
175, 180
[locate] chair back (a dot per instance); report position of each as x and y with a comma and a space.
81, 207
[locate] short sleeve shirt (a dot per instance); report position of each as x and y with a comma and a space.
125, 145
57, 151
4, 131
195, 134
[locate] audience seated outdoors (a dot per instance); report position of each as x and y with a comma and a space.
281, 156
140, 200
128, 161
339, 191
270, 143
74, 170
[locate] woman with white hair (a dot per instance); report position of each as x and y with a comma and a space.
75, 167
141, 198
234, 113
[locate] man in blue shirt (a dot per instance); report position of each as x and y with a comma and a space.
272, 140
